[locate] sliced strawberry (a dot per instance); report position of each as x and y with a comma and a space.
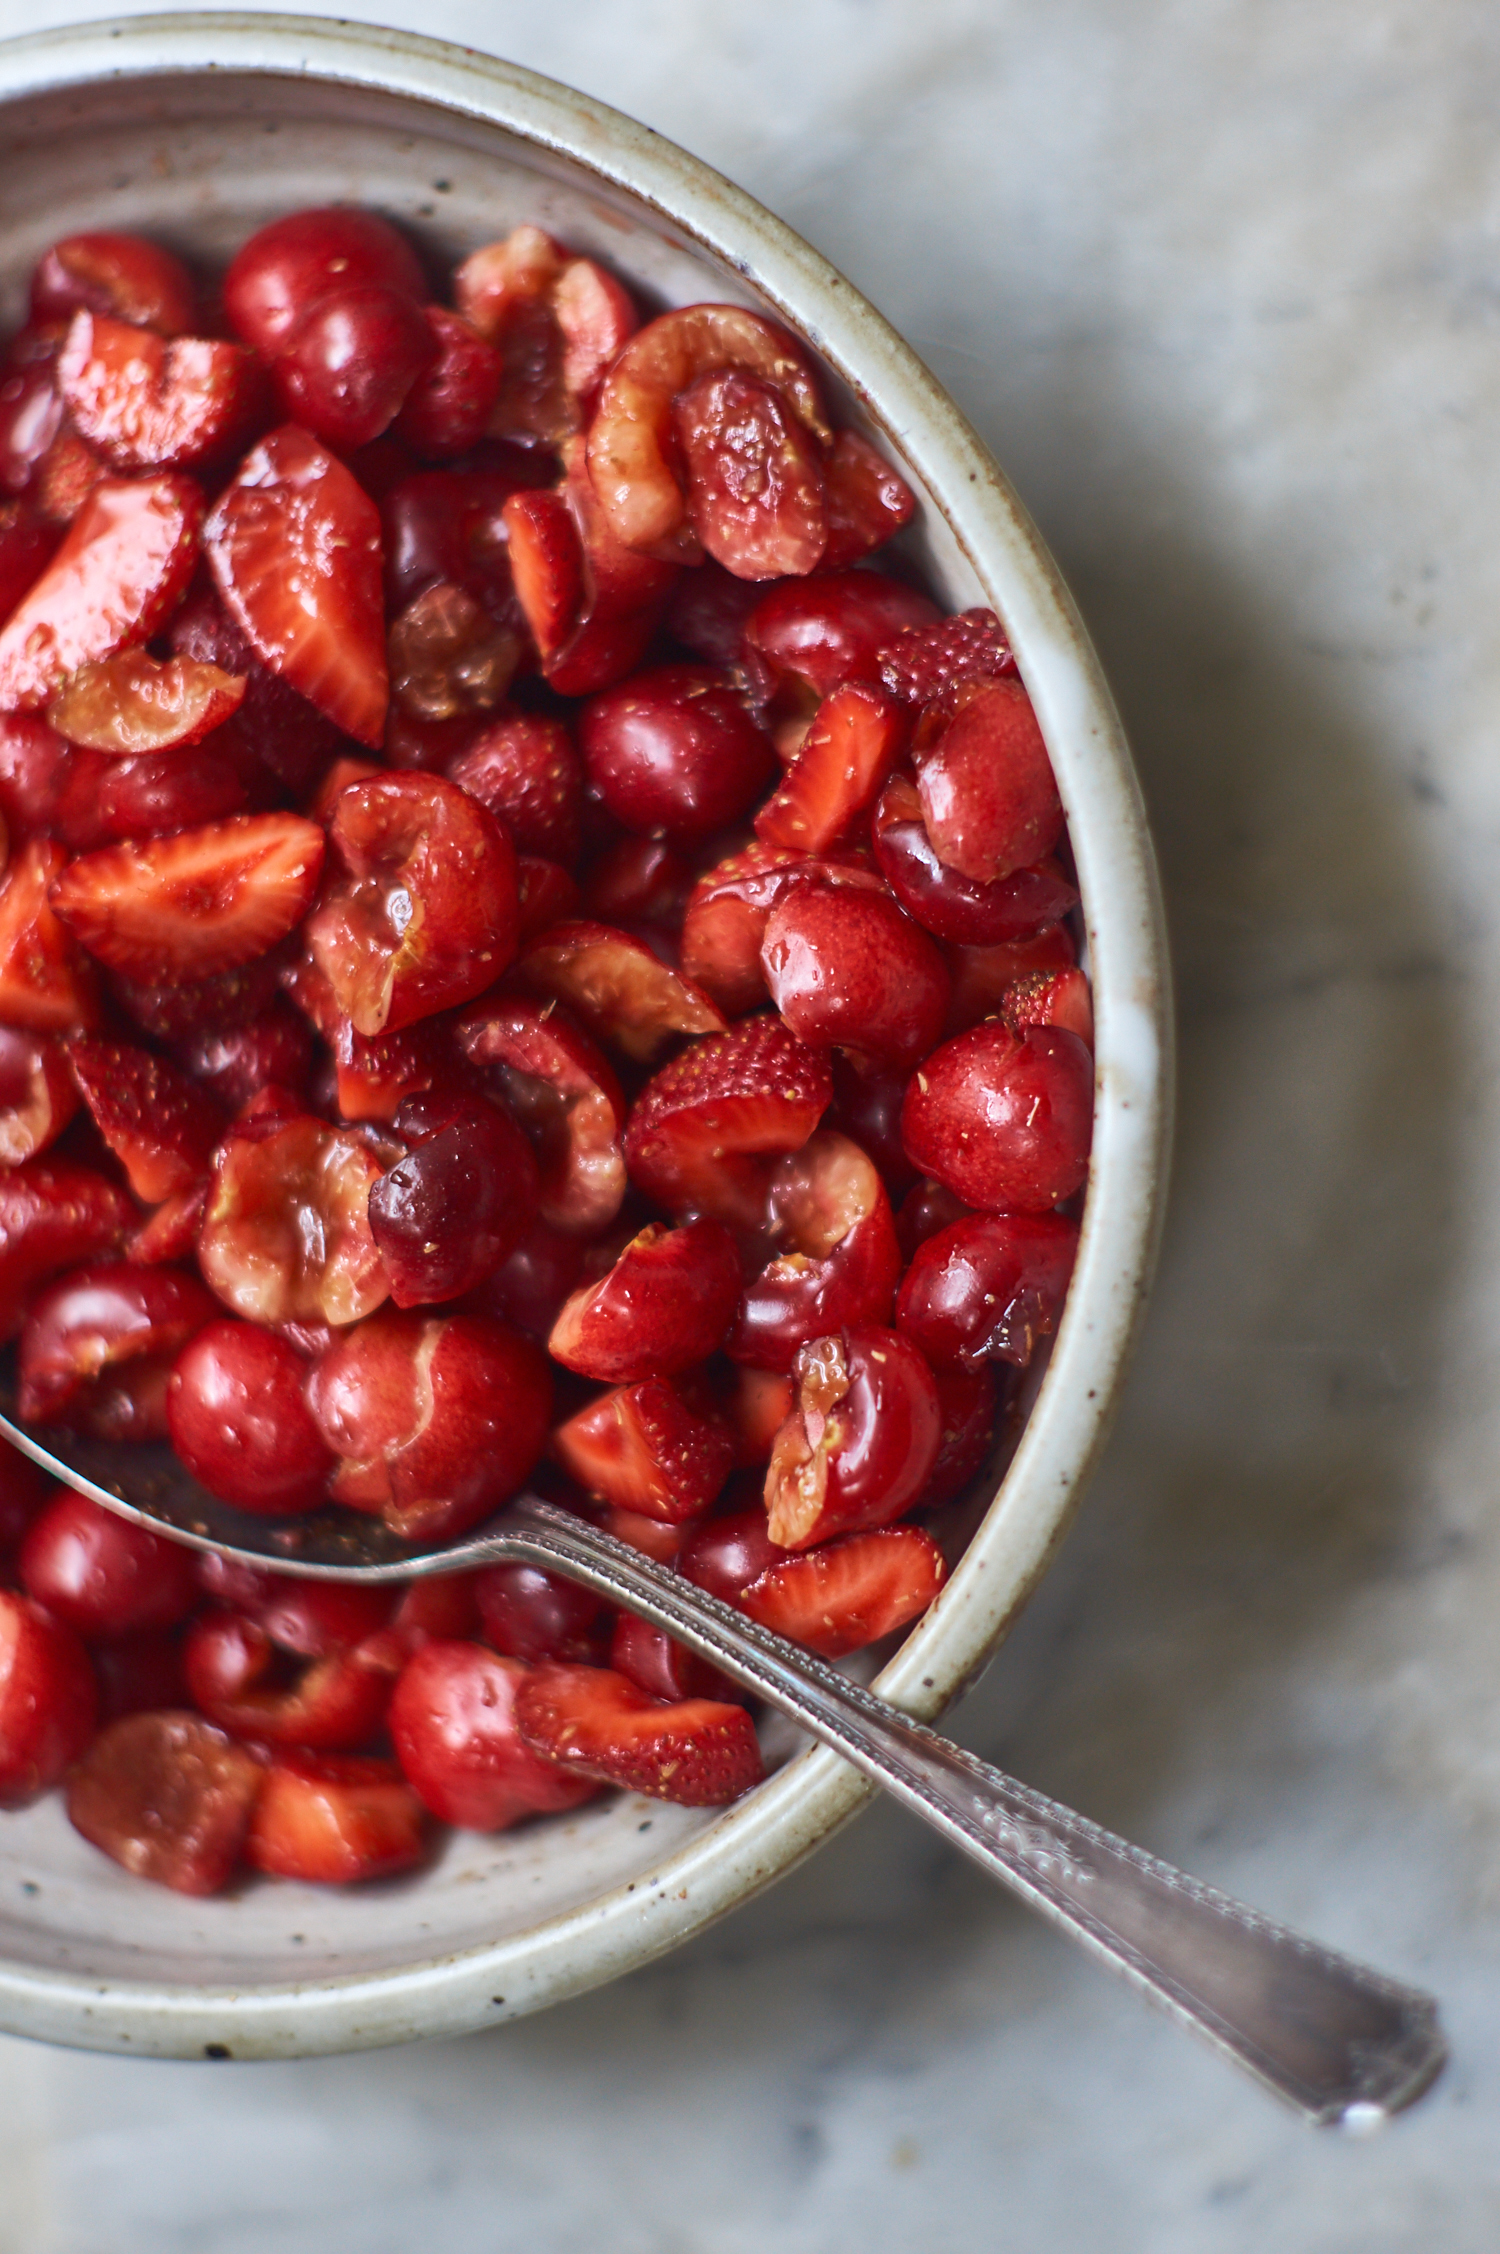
926, 665
335, 1818
646, 1448
524, 769
124, 562
546, 555
201, 901
37, 1094
848, 1593
146, 404
54, 1214
558, 1085
274, 728
867, 500
700, 1752
592, 604
127, 277
336, 1704
189, 1012
664, 1305
171, 1233
133, 703
622, 991
1059, 997
294, 546
169, 1797
159, 1125
982, 976
46, 984
66, 475
851, 748
704, 1133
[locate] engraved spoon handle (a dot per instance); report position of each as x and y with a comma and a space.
1338, 2041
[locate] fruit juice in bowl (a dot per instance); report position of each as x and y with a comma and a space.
535, 951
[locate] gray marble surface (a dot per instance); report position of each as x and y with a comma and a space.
1221, 285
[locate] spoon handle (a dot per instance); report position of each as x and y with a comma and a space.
1339, 2042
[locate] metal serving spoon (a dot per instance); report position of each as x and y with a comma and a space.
1336, 2040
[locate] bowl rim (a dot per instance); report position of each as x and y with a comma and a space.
767, 1834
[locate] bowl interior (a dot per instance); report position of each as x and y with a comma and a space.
199, 158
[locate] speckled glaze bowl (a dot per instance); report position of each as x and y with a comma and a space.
197, 129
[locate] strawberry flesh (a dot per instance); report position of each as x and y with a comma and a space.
699, 1752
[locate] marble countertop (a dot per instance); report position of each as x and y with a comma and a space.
1221, 286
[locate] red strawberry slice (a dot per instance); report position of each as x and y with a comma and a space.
928, 664
646, 1448
146, 404
700, 1753
1059, 997
159, 1125
703, 1134
335, 1817
846, 1594
546, 560
123, 563
54, 1214
133, 703
621, 990
851, 748
169, 1797
45, 983
171, 1233
294, 545
170, 909
66, 475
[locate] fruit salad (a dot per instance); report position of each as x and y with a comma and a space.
532, 955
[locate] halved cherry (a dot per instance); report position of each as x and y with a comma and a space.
728, 908
618, 986
54, 1214
859, 1447
867, 500
31, 413
238, 1420
664, 1305
837, 1260
335, 1819
662, 1667
449, 407
453, 1725
988, 1287
945, 901
449, 658
631, 438
591, 604
449, 1212
132, 703
286, 1234
344, 368
849, 968
27, 542
528, 1289
169, 1797
122, 566
831, 629
705, 1132
195, 903
127, 277
867, 1100
97, 1348
449, 525
929, 665
109, 801
648, 1448
856, 737
755, 494
1004, 1119
558, 322
699, 1752
729, 1552
160, 1126
294, 547
100, 1574
38, 1095
440, 1608
423, 912
47, 1699
674, 749
436, 1420
274, 1050
556, 1082
288, 266
524, 769
147, 404
1059, 997
926, 1209
850, 1592
989, 797
306, 1617
334, 1703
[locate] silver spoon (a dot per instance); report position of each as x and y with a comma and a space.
1339, 2042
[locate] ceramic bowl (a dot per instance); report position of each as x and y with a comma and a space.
198, 128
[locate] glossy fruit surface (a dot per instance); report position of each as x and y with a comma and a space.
700, 1753
673, 749
858, 1448
238, 1420
1004, 1119
453, 1724
48, 1701
167, 1796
